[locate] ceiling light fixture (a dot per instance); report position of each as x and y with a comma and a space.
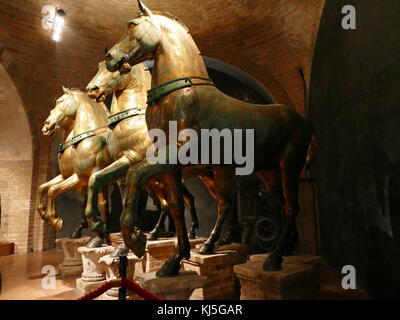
54, 19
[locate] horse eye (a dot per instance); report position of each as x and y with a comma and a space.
133, 23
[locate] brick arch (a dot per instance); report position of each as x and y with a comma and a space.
262, 74
16, 166
36, 231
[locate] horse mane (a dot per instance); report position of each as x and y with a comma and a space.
172, 17
88, 100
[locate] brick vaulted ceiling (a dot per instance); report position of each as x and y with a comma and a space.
269, 39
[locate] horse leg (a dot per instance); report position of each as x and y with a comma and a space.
160, 226
189, 202
121, 249
106, 214
73, 182
84, 224
97, 180
40, 195
136, 178
173, 184
290, 165
220, 187
273, 187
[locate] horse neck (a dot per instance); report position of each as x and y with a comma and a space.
90, 116
177, 56
67, 130
129, 98
135, 93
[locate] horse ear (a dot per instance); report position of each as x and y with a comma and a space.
143, 10
66, 90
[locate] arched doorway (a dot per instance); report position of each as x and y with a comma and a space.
15, 166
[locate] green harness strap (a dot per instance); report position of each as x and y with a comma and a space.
155, 94
112, 120
116, 118
76, 139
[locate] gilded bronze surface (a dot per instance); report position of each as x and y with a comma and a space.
128, 141
282, 136
76, 114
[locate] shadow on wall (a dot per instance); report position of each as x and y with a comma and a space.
355, 109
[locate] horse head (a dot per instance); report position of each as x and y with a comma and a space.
62, 115
106, 82
138, 44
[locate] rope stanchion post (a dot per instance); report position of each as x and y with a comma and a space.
123, 265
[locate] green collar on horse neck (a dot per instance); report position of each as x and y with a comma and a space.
156, 93
114, 119
76, 139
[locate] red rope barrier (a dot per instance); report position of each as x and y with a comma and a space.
99, 291
125, 283
130, 285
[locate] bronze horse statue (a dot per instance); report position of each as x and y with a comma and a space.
128, 141
83, 152
182, 92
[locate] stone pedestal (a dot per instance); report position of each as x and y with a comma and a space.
218, 268
297, 280
194, 243
94, 272
72, 263
157, 252
116, 239
112, 272
175, 288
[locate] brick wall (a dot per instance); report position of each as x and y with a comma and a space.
270, 40
15, 190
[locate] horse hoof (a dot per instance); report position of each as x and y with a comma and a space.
169, 269
273, 263
225, 241
57, 223
98, 226
42, 212
96, 242
138, 244
76, 235
192, 235
121, 250
152, 236
207, 249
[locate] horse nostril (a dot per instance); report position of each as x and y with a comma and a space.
94, 88
108, 57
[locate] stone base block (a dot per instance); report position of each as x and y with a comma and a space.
175, 288
112, 272
72, 262
297, 280
196, 242
157, 252
69, 271
84, 287
307, 259
93, 269
116, 239
218, 267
